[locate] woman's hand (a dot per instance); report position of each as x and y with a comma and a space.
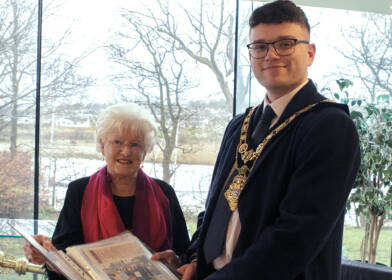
169, 256
34, 256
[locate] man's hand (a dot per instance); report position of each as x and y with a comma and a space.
188, 271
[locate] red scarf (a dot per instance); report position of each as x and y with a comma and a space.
151, 213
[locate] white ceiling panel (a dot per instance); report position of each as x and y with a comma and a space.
376, 6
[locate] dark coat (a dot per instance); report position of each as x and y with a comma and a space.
293, 204
69, 232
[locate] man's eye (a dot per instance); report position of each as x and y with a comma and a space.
260, 47
285, 44
117, 142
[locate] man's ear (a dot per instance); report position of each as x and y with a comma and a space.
311, 53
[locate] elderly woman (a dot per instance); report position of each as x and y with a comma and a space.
120, 195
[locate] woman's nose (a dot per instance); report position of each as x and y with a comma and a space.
126, 148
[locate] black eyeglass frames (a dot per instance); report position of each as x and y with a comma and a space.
282, 47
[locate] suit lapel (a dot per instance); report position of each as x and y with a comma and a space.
306, 96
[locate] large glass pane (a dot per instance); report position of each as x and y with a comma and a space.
18, 33
67, 107
18, 21
173, 58
352, 66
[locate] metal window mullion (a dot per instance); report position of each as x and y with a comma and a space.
37, 117
235, 58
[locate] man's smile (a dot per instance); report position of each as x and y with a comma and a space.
268, 67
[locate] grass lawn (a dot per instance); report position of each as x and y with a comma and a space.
352, 238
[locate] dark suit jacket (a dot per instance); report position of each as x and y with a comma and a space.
293, 204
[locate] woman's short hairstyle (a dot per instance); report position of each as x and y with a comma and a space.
277, 12
126, 118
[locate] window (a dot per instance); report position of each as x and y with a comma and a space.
162, 54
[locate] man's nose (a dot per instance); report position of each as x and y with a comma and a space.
271, 52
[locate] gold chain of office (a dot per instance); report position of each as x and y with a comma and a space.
249, 157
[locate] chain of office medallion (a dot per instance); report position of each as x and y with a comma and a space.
251, 156
248, 158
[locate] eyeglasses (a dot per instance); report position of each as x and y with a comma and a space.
282, 47
118, 144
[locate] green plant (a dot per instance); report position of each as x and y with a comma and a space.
372, 193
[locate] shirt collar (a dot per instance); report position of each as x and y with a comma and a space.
281, 103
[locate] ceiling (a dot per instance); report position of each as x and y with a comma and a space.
376, 6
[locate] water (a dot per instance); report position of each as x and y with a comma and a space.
190, 181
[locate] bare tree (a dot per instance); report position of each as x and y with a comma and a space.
18, 67
206, 36
370, 54
155, 71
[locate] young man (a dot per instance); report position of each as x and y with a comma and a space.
276, 205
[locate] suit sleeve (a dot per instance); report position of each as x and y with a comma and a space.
325, 162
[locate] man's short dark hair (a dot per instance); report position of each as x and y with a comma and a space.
278, 12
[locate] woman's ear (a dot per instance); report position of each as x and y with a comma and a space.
101, 143
142, 155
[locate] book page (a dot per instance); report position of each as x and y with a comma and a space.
121, 257
56, 258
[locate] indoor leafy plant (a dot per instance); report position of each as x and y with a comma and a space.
372, 192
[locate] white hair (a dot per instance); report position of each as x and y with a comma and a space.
126, 118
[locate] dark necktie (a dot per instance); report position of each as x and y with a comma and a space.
262, 127
216, 232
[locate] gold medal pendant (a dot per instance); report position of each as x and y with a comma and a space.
232, 194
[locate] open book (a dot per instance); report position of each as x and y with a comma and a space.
121, 257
